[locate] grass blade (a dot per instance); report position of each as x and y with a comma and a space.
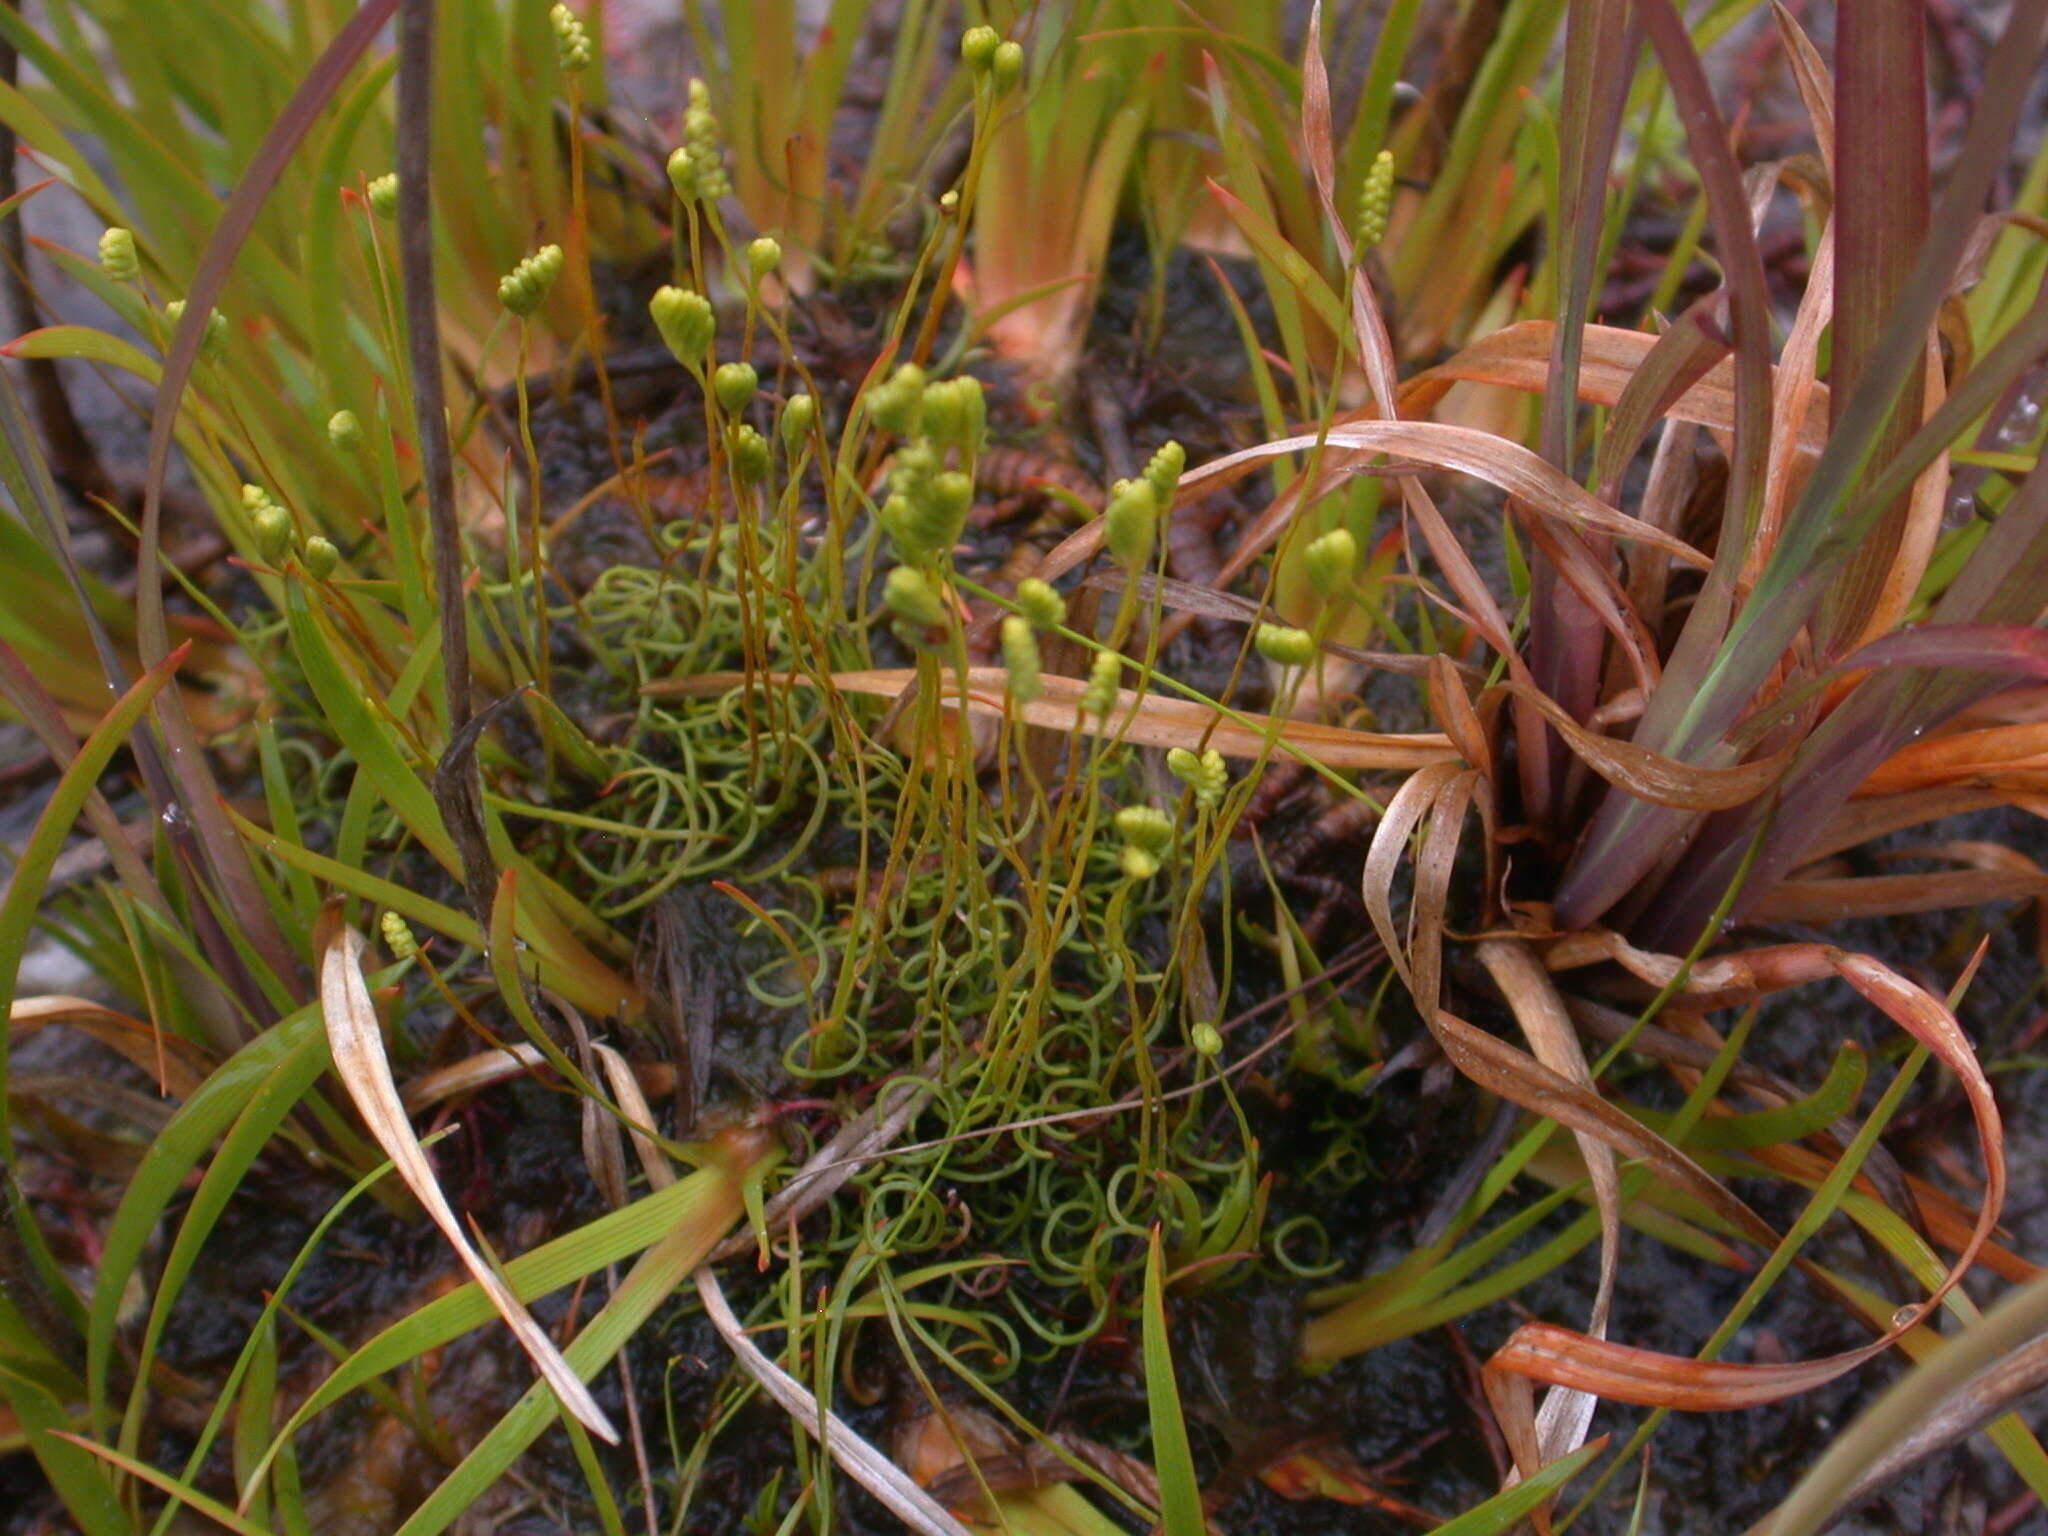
1881, 206
224, 852
19, 910
1180, 1495
461, 794
1510, 1505
862, 1462
1707, 695
357, 1042
1561, 1424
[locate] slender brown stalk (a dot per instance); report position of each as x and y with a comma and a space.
458, 788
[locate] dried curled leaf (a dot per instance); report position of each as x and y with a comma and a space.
1546, 1353
1560, 1425
1143, 719
1518, 356
357, 1042
174, 1062
861, 1461
1508, 465
1650, 775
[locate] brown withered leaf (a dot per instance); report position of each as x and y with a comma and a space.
1827, 901
1546, 1353
1561, 1424
357, 1043
1518, 356
1145, 719
1651, 776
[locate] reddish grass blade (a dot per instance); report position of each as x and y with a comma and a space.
1600, 43
1830, 901
1566, 646
27, 476
1887, 812
458, 787
1145, 719
2012, 650
1628, 838
1369, 326
1561, 1424
1680, 359
225, 854
1649, 776
2003, 1385
1980, 638
1515, 356
1881, 206
1701, 702
1544, 1352
1524, 476
1816, 90
1797, 384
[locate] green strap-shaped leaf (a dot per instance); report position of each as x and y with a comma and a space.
1180, 1495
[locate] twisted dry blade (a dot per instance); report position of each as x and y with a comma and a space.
358, 1047
862, 1462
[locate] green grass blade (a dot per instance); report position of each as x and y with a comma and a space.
213, 1509
295, 1044
647, 1285
1511, 1504
66, 804
701, 1199
1180, 1495
75, 1474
